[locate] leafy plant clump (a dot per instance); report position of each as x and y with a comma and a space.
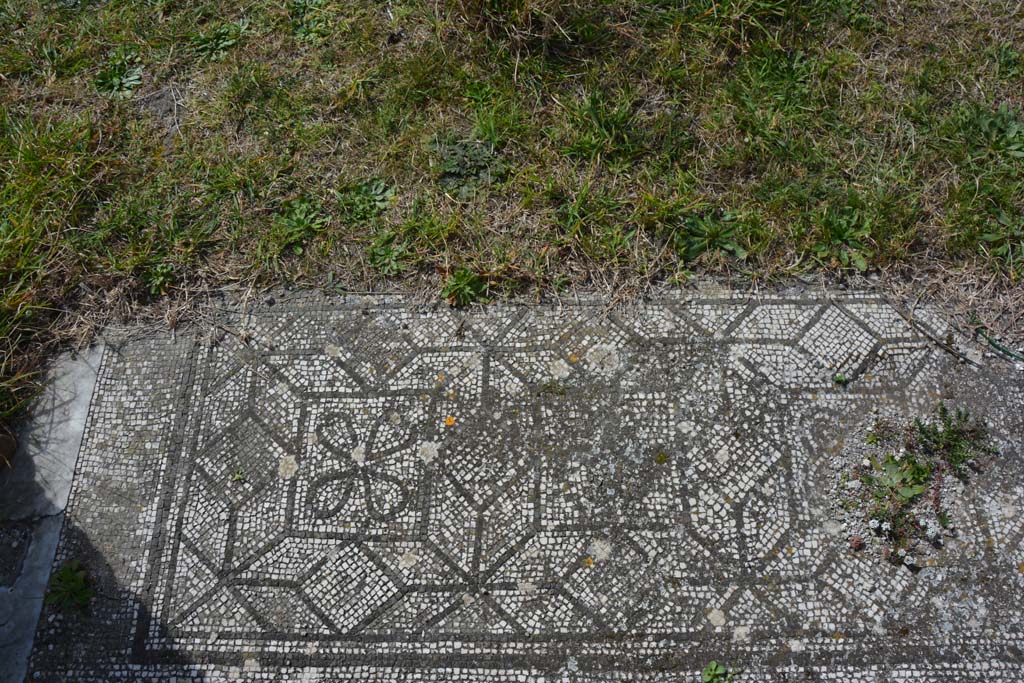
298, 221
905, 476
70, 586
716, 672
388, 254
467, 166
465, 287
121, 75
1005, 241
214, 45
310, 20
364, 200
844, 235
702, 234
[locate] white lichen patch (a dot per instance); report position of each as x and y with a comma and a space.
604, 358
559, 369
332, 351
408, 559
716, 617
427, 452
600, 549
287, 467
359, 454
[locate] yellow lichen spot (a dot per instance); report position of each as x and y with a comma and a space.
789, 550
588, 562
440, 377
449, 421
661, 458
728, 500
573, 358
1020, 567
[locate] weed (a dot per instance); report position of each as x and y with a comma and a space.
497, 117
953, 438
1005, 241
1009, 62
70, 586
464, 287
912, 464
589, 219
214, 45
715, 672
159, 278
538, 26
843, 235
121, 75
363, 201
709, 233
310, 19
298, 221
600, 126
467, 166
999, 133
738, 23
388, 254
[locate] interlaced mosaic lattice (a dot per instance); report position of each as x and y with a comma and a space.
343, 489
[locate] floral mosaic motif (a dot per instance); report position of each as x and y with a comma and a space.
358, 477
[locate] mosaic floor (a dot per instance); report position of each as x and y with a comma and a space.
350, 490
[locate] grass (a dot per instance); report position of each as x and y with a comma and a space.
494, 146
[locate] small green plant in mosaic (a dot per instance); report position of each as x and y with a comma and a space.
70, 587
716, 672
952, 438
901, 490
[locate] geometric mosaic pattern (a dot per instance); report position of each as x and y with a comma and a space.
365, 490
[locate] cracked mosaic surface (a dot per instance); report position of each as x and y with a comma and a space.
363, 490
